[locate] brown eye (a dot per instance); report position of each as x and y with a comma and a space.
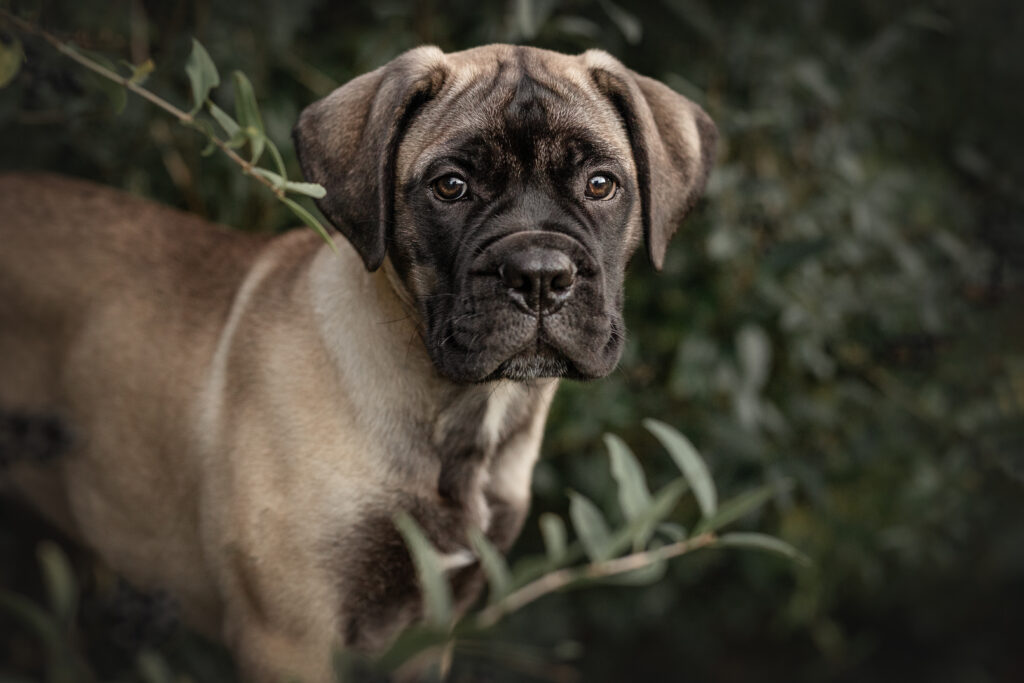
600, 187
449, 188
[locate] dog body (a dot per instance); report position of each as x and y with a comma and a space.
242, 417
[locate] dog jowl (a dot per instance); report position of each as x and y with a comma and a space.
509, 188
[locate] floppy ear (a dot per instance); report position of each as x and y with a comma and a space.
348, 142
673, 142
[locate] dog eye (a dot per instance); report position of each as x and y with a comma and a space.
600, 187
449, 188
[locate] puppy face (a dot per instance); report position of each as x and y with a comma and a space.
510, 186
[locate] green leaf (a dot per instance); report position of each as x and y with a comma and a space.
437, 594
763, 542
11, 58
202, 75
690, 464
634, 497
411, 642
754, 349
736, 508
662, 504
590, 527
310, 220
229, 125
278, 161
153, 668
32, 616
61, 587
140, 72
247, 113
309, 189
553, 529
493, 563
674, 532
277, 180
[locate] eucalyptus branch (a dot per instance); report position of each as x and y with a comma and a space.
183, 116
249, 128
557, 580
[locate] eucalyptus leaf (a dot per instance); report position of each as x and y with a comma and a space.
634, 497
736, 508
202, 75
309, 189
493, 564
690, 464
61, 587
758, 541
590, 527
140, 72
247, 113
552, 528
310, 220
437, 594
278, 181
153, 669
11, 57
227, 123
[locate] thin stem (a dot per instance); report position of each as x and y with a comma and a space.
557, 580
183, 116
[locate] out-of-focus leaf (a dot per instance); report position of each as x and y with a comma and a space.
758, 541
202, 75
590, 527
634, 497
755, 353
11, 58
61, 588
140, 72
437, 594
153, 668
736, 508
553, 529
674, 532
493, 564
690, 464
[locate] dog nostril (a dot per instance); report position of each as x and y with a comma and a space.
513, 277
539, 279
563, 280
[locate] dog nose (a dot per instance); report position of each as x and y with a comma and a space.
540, 279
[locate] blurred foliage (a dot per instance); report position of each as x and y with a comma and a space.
844, 311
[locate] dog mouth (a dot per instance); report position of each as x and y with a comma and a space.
517, 347
538, 359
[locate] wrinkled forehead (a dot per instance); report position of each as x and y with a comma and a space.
538, 107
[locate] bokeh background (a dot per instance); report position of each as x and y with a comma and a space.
844, 312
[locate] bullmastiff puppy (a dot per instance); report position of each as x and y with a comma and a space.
236, 419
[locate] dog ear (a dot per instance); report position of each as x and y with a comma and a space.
348, 142
673, 142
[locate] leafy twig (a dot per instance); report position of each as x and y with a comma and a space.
251, 130
557, 580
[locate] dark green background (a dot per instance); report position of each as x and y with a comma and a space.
843, 311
